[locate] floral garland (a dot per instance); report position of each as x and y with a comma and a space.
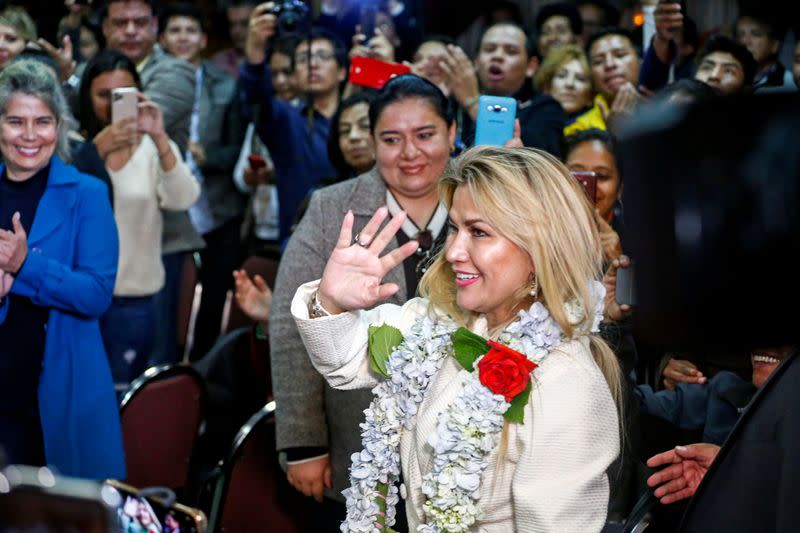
467, 431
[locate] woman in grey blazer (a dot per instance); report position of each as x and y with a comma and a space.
317, 426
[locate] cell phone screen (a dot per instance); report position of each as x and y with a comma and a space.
149, 515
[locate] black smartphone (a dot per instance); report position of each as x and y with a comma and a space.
626, 286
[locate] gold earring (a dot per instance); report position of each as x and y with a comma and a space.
534, 290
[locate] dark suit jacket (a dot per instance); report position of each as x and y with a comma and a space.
221, 134
752, 484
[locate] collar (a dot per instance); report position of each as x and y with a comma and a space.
435, 224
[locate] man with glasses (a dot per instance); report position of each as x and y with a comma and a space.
296, 136
131, 26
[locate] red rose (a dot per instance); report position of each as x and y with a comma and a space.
505, 371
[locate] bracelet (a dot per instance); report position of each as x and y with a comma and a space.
315, 309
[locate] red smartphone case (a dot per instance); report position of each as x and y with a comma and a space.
374, 73
589, 181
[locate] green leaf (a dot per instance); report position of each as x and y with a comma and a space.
382, 342
383, 489
467, 347
516, 413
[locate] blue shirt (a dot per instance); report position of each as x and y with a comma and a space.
297, 141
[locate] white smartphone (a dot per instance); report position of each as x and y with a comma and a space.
124, 103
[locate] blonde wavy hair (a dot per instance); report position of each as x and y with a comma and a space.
557, 58
530, 198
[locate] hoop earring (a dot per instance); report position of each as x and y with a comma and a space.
534, 286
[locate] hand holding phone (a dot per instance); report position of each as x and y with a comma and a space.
495, 123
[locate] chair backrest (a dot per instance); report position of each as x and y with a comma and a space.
265, 267
161, 415
251, 494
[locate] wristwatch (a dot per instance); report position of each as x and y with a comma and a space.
315, 309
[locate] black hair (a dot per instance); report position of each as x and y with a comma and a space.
102, 13
695, 89
562, 9
571, 142
284, 44
721, 43
318, 33
105, 61
343, 170
512, 7
226, 4
605, 32
610, 13
776, 26
181, 9
410, 86
530, 43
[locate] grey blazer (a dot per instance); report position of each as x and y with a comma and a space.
169, 82
309, 412
221, 134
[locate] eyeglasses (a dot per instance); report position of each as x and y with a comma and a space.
320, 55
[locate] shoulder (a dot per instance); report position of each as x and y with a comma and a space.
355, 192
570, 369
541, 102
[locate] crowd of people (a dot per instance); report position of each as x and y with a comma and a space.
266, 148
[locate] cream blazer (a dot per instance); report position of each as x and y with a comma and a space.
552, 476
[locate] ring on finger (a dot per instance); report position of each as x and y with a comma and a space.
361, 241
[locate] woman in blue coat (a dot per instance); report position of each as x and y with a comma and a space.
58, 255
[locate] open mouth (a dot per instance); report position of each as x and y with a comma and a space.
765, 359
495, 72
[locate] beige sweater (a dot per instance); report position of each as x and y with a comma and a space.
552, 477
141, 190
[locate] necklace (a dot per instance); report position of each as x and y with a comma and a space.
467, 431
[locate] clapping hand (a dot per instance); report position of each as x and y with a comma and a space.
13, 246
253, 296
687, 467
353, 274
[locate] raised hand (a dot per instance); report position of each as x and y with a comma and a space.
62, 56
609, 239
613, 311
13, 246
260, 30
116, 136
353, 274
150, 118
253, 296
461, 77
687, 467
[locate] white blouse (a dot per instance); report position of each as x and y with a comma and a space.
552, 473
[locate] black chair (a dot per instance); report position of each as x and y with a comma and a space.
249, 492
640, 519
161, 414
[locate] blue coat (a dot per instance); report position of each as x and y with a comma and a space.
73, 249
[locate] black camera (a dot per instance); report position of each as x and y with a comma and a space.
293, 17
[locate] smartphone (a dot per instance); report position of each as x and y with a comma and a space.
33, 499
124, 103
626, 286
138, 511
374, 73
256, 161
588, 179
495, 123
366, 21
